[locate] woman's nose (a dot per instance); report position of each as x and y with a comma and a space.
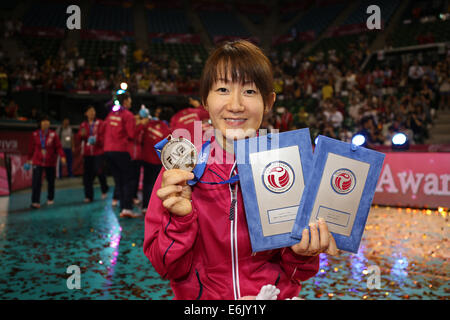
235, 102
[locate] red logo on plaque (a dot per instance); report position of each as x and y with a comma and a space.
278, 177
343, 181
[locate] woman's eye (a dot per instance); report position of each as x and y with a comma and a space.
250, 91
222, 90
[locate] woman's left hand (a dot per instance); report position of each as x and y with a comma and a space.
321, 241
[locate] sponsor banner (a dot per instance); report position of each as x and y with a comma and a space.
20, 178
349, 29
418, 148
414, 180
175, 37
14, 141
46, 32
106, 35
4, 185
301, 36
218, 39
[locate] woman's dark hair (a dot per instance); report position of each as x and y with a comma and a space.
42, 118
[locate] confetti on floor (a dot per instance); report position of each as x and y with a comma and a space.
407, 248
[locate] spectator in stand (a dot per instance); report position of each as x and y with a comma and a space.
93, 155
415, 74
43, 151
444, 93
327, 90
65, 135
11, 110
283, 119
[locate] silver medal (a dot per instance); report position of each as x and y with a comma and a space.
179, 153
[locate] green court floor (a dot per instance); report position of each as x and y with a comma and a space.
409, 249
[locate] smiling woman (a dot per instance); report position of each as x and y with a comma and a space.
237, 89
197, 235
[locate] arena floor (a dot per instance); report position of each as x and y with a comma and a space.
409, 247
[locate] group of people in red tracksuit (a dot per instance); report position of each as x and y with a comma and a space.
126, 141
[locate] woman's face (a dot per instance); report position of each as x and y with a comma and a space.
45, 124
236, 109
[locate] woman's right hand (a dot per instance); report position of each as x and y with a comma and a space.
175, 193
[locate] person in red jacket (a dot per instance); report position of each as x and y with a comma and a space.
92, 151
118, 132
185, 119
43, 152
135, 150
197, 237
154, 131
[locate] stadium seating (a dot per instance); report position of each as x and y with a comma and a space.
223, 23
110, 17
318, 19
92, 49
409, 34
46, 14
167, 20
183, 53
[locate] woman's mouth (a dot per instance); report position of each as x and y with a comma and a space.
235, 122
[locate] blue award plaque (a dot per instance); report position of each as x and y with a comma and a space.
272, 172
340, 189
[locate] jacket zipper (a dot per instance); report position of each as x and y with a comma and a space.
200, 290
233, 237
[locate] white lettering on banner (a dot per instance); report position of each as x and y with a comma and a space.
445, 179
413, 181
431, 184
410, 182
386, 178
8, 144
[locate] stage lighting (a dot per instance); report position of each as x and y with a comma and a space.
400, 141
359, 140
116, 105
124, 86
120, 91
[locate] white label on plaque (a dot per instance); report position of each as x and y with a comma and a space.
279, 184
339, 193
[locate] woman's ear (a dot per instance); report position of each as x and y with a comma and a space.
270, 102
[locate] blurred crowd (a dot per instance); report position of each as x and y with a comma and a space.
337, 98
346, 100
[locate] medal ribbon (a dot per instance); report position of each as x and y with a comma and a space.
200, 167
91, 128
42, 138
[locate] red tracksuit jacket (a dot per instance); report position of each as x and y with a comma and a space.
135, 147
52, 148
97, 148
118, 130
207, 254
184, 119
154, 131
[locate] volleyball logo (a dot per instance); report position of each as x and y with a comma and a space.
343, 181
278, 177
